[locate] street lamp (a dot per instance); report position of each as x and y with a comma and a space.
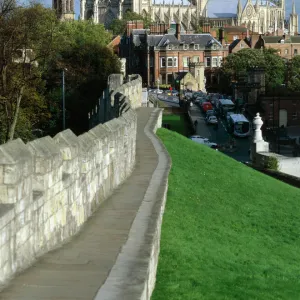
63, 98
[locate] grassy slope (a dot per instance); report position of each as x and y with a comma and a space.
228, 232
177, 123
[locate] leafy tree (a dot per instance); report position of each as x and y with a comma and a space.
294, 74
240, 62
27, 41
119, 26
79, 33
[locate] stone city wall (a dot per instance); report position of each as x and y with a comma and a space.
50, 186
260, 153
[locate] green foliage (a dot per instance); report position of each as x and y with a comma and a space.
199, 29
271, 163
118, 27
225, 231
241, 61
294, 74
32, 29
79, 33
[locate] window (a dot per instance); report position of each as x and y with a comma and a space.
185, 47
214, 62
214, 47
172, 62
196, 47
282, 41
220, 61
242, 45
294, 116
286, 51
168, 47
295, 51
170, 79
235, 37
208, 62
185, 60
163, 62
196, 59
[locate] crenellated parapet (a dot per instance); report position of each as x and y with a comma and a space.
49, 187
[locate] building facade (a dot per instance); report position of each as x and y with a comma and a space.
261, 16
160, 58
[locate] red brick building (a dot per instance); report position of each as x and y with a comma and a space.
160, 53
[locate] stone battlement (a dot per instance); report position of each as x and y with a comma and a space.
50, 186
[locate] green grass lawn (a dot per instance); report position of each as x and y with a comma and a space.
229, 232
177, 123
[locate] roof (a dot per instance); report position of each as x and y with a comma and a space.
235, 29
181, 75
236, 42
238, 118
202, 39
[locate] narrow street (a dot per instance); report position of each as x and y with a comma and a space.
220, 135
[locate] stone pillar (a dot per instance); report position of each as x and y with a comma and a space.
258, 144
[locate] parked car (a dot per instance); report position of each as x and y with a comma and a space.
206, 142
210, 112
158, 91
175, 93
212, 120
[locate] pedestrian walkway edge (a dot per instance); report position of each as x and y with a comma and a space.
134, 273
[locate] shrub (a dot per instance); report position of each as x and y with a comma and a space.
271, 163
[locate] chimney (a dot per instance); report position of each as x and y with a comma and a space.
221, 35
177, 33
206, 28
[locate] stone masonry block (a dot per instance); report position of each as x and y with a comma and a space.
22, 235
7, 215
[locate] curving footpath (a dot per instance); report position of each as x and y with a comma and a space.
115, 255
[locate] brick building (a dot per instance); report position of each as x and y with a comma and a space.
287, 46
160, 53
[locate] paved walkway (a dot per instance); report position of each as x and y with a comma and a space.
78, 269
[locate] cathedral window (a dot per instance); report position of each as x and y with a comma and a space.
163, 62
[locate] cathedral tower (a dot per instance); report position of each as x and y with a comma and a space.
64, 9
293, 27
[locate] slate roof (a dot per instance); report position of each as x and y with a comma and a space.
235, 29
169, 39
181, 75
200, 39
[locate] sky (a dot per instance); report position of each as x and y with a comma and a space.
217, 5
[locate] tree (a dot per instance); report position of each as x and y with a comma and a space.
87, 62
119, 26
27, 41
240, 62
294, 74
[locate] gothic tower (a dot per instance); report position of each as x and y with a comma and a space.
293, 27
64, 9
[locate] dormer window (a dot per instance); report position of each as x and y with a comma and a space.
196, 47
214, 47
168, 47
282, 41
185, 47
